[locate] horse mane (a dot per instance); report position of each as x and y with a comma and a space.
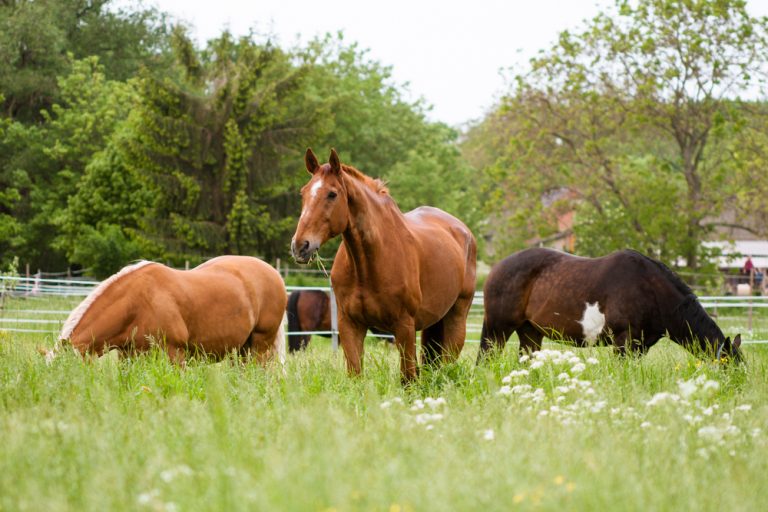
77, 314
695, 322
374, 183
673, 278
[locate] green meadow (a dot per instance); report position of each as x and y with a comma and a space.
569, 429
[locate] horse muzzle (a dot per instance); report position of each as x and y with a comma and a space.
303, 250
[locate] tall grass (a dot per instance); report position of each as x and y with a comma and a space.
143, 434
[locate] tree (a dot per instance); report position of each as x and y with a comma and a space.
625, 116
36, 38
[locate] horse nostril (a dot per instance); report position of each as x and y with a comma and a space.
305, 246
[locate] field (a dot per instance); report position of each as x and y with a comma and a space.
572, 429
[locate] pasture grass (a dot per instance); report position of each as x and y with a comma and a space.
584, 431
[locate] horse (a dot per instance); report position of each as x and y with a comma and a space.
225, 304
397, 272
625, 299
307, 310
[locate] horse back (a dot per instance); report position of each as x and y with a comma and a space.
553, 290
447, 252
244, 282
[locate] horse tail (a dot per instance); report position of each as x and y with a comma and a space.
280, 341
292, 310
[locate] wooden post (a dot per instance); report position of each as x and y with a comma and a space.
186, 264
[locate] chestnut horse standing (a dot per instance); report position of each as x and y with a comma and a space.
396, 272
227, 303
625, 299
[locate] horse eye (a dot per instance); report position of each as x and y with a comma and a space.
331, 195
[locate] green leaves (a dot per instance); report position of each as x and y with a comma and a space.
627, 115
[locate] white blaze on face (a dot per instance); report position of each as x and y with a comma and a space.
312, 194
592, 322
315, 187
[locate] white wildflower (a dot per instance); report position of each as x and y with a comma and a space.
710, 433
385, 404
524, 358
662, 397
506, 380
522, 388
564, 376
592, 360
578, 368
505, 390
489, 435
744, 407
687, 388
646, 424
433, 403
537, 364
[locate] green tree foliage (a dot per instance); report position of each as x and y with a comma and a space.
213, 143
36, 37
621, 121
200, 157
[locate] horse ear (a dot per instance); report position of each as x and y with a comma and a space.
334, 161
736, 341
311, 161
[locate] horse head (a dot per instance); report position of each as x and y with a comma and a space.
324, 209
728, 350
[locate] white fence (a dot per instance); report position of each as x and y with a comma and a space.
71, 291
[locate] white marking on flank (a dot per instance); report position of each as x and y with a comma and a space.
592, 322
77, 314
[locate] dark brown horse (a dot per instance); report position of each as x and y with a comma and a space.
397, 272
625, 298
227, 303
308, 310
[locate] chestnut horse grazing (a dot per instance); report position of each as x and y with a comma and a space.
395, 272
625, 298
227, 303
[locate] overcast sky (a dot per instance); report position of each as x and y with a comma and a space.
449, 52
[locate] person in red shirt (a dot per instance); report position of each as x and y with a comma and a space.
748, 266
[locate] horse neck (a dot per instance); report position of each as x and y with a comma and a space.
692, 323
374, 227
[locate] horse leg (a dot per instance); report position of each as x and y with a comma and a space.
351, 336
455, 329
260, 346
530, 338
493, 336
431, 343
405, 339
176, 354
624, 344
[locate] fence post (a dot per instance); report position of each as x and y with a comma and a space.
334, 322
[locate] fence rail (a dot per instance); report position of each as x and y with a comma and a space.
36, 287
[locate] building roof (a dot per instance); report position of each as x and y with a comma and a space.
735, 253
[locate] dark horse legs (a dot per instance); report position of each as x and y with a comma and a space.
495, 336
